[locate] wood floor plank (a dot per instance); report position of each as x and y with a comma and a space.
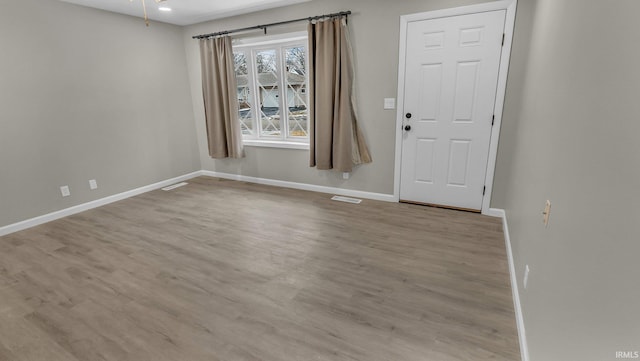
26, 341
225, 270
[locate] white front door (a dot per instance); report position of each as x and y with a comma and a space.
451, 79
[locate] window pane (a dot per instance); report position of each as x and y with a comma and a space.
269, 92
297, 100
244, 95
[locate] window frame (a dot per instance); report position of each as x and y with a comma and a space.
250, 47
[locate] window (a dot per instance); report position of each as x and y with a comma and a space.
272, 91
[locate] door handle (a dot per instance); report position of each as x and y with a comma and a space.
408, 115
407, 128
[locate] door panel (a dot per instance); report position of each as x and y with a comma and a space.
451, 79
459, 154
430, 91
425, 150
466, 87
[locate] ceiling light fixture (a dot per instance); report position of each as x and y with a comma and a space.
164, 8
144, 10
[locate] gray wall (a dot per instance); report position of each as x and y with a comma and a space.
569, 135
375, 27
87, 94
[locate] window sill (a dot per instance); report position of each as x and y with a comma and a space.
275, 144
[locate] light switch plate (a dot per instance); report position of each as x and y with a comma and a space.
389, 103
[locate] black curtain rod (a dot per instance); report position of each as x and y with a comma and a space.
264, 27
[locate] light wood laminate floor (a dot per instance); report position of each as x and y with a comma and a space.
223, 270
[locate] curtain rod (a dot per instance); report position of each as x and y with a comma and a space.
264, 27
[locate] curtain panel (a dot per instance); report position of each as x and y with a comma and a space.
336, 141
219, 90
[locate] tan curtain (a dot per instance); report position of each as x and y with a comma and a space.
220, 98
336, 142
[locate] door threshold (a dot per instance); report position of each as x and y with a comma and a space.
442, 206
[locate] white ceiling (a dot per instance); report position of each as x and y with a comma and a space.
185, 12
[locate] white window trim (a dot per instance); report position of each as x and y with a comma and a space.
275, 144
252, 45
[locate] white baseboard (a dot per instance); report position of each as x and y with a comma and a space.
524, 347
304, 186
16, 227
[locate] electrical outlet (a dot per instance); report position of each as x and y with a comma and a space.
389, 103
93, 184
546, 213
526, 276
65, 191
346, 175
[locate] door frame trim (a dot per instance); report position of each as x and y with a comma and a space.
510, 7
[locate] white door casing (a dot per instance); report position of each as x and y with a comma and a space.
452, 78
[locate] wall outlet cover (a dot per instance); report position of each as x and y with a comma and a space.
546, 213
65, 191
93, 184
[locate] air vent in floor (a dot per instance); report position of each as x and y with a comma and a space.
346, 199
